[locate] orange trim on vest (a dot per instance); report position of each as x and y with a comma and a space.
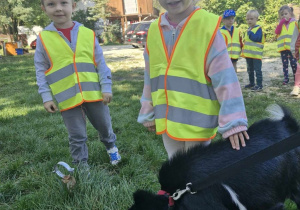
180, 139
162, 39
208, 48
169, 59
80, 104
47, 54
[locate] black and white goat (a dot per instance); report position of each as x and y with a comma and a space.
263, 186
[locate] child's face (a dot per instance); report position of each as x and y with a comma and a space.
228, 22
285, 14
251, 20
176, 7
60, 12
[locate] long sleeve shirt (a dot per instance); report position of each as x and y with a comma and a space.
282, 22
232, 115
255, 37
42, 63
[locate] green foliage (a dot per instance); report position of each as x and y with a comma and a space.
12, 13
270, 50
37, 16
268, 10
99, 10
112, 33
84, 17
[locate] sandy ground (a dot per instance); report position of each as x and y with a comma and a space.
271, 67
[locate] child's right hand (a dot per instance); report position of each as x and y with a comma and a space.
50, 106
151, 128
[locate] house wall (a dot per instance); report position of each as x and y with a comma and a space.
115, 8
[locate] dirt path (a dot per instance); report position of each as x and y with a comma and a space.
271, 68
130, 57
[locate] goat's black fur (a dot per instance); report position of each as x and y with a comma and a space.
263, 186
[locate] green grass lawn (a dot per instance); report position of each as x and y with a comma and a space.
270, 50
32, 141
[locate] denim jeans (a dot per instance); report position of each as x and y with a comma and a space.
254, 65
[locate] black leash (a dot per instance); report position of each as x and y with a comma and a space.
268, 153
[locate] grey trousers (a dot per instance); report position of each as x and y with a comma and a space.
75, 121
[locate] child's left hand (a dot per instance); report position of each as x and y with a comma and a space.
106, 98
236, 138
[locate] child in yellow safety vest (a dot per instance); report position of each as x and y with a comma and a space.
70, 66
287, 32
232, 36
191, 90
253, 51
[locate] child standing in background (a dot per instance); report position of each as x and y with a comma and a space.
70, 66
253, 50
190, 86
232, 37
286, 29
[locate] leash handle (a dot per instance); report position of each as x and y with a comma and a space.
65, 165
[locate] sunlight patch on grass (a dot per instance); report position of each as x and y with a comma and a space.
9, 112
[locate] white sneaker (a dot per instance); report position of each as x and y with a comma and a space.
114, 155
295, 91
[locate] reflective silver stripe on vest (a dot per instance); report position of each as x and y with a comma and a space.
71, 92
85, 67
69, 70
234, 45
186, 116
235, 53
183, 85
284, 37
254, 44
282, 44
253, 52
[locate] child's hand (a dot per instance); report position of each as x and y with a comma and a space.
236, 138
50, 106
106, 98
151, 128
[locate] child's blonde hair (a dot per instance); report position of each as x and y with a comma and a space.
286, 7
253, 12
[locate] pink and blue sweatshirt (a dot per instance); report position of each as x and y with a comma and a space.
232, 116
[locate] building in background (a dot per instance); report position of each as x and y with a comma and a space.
130, 11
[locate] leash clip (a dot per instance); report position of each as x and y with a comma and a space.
179, 192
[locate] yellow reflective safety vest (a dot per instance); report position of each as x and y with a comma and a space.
72, 77
185, 104
233, 42
285, 37
253, 49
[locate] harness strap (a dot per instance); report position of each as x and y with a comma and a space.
171, 201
